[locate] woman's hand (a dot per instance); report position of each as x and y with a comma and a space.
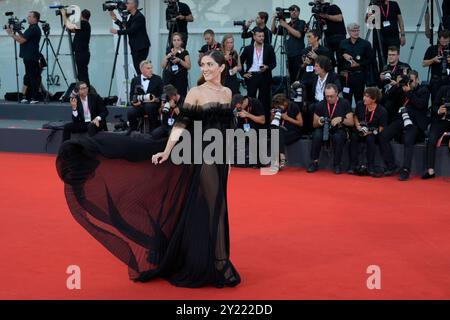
159, 158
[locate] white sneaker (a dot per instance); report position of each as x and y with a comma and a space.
24, 101
34, 101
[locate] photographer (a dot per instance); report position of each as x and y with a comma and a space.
136, 30
88, 113
258, 72
389, 77
146, 83
178, 14
392, 31
261, 22
441, 124
80, 43
176, 65
233, 65
334, 29
29, 52
437, 57
171, 101
370, 120
332, 117
295, 37
286, 117
411, 121
355, 58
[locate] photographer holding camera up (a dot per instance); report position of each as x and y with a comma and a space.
437, 57
178, 14
295, 36
261, 22
29, 52
332, 117
370, 120
411, 121
441, 124
145, 93
171, 101
136, 30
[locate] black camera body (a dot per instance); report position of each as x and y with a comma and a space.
326, 128
319, 7
378, 3
282, 13
404, 81
366, 128
172, 11
298, 91
122, 125
45, 27
445, 56
14, 23
239, 23
112, 5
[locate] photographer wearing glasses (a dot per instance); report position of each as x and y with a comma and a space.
88, 113
136, 29
370, 120
332, 118
441, 124
295, 37
411, 122
171, 101
178, 14
29, 52
261, 23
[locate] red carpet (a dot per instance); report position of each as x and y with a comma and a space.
293, 236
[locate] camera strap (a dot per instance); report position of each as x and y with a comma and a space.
406, 102
372, 115
331, 113
394, 69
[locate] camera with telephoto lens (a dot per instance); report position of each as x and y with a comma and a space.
407, 122
59, 7
326, 128
142, 98
404, 81
297, 91
319, 7
112, 5
445, 56
165, 100
282, 13
172, 11
14, 23
387, 81
237, 109
365, 128
276, 122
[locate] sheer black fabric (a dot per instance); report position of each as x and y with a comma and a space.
167, 220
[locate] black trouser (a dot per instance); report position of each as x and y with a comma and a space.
436, 83
151, 109
294, 64
138, 57
33, 73
287, 138
438, 128
356, 144
261, 84
161, 132
82, 61
333, 43
79, 127
409, 135
356, 81
179, 81
338, 139
386, 42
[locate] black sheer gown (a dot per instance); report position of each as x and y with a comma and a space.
168, 220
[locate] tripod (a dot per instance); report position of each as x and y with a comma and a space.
285, 77
317, 25
124, 15
17, 70
48, 44
380, 43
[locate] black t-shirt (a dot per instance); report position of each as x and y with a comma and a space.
378, 119
184, 10
295, 45
292, 112
207, 48
436, 68
30, 49
255, 108
342, 109
82, 37
390, 12
177, 69
335, 28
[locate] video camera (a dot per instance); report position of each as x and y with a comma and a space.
319, 7
59, 7
112, 5
14, 23
239, 23
282, 13
172, 11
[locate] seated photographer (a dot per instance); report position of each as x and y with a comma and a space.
171, 101
332, 117
261, 23
176, 65
146, 89
441, 124
370, 120
286, 116
389, 77
88, 113
411, 121
211, 43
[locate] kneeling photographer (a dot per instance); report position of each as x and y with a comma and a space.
171, 101
146, 90
411, 122
441, 124
370, 120
286, 117
332, 118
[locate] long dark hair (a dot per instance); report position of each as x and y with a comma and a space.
219, 58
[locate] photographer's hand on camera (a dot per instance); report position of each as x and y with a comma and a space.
336, 121
73, 103
113, 16
442, 110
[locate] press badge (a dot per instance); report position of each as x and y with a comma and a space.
171, 122
247, 127
346, 90
175, 68
309, 68
386, 24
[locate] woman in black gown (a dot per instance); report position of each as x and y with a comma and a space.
161, 219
